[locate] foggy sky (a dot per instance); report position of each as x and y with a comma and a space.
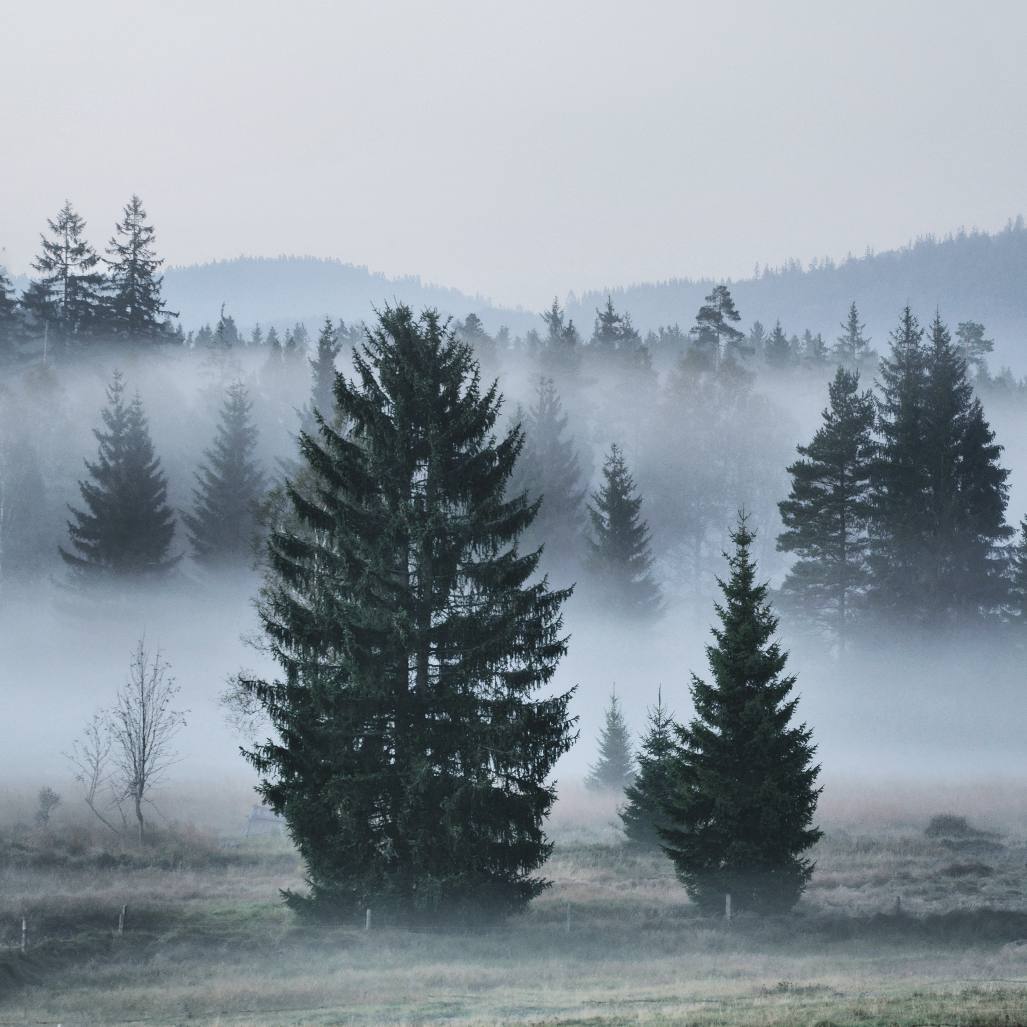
514, 149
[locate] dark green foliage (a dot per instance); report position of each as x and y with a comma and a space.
827, 512
899, 475
223, 524
620, 560
134, 307
744, 783
852, 347
67, 299
127, 526
549, 468
715, 334
650, 791
615, 768
940, 493
411, 756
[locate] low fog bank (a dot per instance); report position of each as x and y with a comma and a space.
946, 714
942, 709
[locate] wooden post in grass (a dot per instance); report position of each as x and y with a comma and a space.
121, 920
727, 906
24, 934
367, 919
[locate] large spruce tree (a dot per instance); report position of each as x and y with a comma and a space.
827, 512
412, 750
743, 779
614, 767
223, 524
66, 301
649, 792
135, 309
126, 529
620, 557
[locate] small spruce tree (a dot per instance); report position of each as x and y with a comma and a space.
614, 770
621, 561
743, 779
648, 794
126, 528
223, 524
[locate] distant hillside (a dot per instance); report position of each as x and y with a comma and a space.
282, 290
968, 276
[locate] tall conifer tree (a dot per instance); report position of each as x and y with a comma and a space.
852, 347
967, 492
743, 779
621, 560
223, 525
126, 528
135, 308
323, 371
899, 477
412, 755
715, 334
827, 512
67, 298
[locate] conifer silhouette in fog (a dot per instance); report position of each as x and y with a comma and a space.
743, 782
412, 754
621, 560
126, 528
615, 767
230, 486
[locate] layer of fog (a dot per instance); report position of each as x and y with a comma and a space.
947, 709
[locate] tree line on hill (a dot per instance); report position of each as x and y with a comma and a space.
914, 512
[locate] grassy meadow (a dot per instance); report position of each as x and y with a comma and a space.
898, 927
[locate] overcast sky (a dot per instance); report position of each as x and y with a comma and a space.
515, 149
